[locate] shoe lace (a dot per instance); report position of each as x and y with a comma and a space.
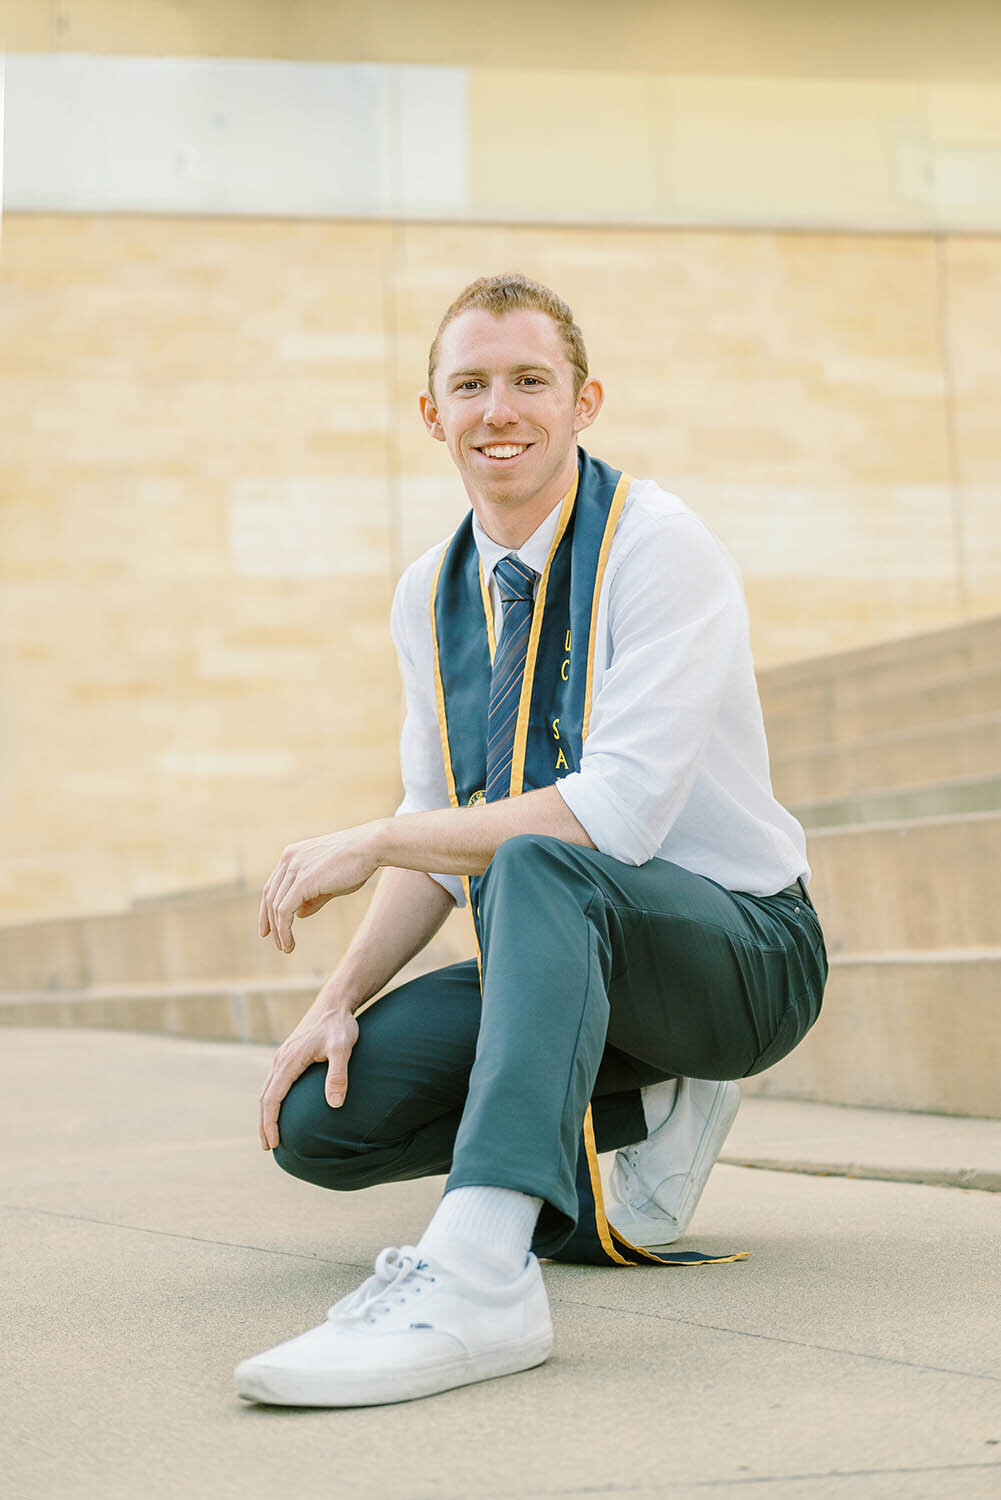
398, 1274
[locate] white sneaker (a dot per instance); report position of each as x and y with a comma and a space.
410, 1330
657, 1183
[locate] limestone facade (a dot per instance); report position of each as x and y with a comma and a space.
212, 471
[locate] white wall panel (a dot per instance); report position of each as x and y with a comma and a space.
433, 150
204, 136
178, 135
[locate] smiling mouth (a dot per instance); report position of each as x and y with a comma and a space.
501, 453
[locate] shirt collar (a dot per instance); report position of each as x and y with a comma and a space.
532, 553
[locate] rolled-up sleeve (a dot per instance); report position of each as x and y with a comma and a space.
422, 767
675, 615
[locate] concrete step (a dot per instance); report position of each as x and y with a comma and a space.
848, 679
922, 883
908, 886
837, 1140
897, 1031
894, 761
236, 1010
902, 1031
832, 725
209, 935
240, 1009
969, 794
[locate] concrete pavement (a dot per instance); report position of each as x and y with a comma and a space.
149, 1244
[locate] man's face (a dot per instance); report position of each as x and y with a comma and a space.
504, 403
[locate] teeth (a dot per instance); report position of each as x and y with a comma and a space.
505, 450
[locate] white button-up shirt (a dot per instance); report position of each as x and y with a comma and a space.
675, 765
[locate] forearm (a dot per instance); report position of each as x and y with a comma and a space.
463, 840
409, 906
405, 912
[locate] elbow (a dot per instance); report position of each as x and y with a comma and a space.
636, 850
612, 825
628, 841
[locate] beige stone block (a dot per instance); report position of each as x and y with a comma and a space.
430, 508
44, 955
204, 1013
971, 696
198, 936
27, 28
217, 939
920, 1034
793, 617
971, 748
965, 130
911, 887
798, 151
851, 678
61, 880
961, 41
900, 535
971, 269
960, 796
826, 375
310, 527
594, 162
982, 544
39, 1010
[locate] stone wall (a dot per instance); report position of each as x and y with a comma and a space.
213, 470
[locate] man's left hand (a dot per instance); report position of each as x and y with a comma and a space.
309, 874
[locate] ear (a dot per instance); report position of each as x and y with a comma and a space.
588, 404
429, 413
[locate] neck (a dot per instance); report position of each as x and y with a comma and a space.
511, 523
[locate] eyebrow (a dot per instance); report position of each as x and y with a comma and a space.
514, 370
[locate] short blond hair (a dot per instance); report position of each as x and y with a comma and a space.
512, 292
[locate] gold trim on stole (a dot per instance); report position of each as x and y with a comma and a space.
615, 511
488, 614
600, 1217
525, 701
439, 690
439, 698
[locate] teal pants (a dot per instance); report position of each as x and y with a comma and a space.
598, 978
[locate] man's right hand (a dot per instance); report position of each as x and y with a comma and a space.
321, 1036
405, 912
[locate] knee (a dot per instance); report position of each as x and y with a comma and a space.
532, 875
313, 1143
526, 854
300, 1118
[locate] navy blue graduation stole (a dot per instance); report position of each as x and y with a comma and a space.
552, 725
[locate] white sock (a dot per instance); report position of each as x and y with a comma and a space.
658, 1101
484, 1229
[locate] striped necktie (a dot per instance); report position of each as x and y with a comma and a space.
515, 580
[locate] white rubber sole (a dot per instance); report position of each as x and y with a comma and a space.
275, 1386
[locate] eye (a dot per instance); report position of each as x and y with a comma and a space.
531, 380
468, 385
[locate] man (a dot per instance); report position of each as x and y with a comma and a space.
584, 760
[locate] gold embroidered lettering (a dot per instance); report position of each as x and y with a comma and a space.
566, 643
565, 670
556, 729
561, 761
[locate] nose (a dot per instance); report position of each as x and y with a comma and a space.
498, 410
